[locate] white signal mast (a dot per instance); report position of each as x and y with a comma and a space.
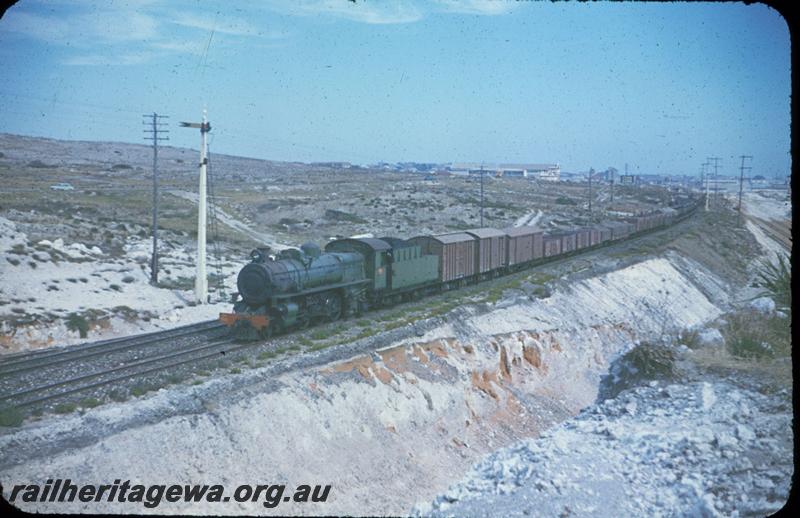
201, 281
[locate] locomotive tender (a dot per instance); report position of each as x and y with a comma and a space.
298, 287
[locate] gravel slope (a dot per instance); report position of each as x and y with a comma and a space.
660, 449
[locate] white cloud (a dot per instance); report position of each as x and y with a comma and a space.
88, 28
138, 31
127, 58
479, 7
400, 11
385, 12
196, 48
221, 24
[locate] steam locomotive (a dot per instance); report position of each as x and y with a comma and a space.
298, 287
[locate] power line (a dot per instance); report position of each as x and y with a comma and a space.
612, 183
591, 213
481, 195
716, 177
741, 182
155, 127
69, 103
70, 118
704, 177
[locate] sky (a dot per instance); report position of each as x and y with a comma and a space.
657, 86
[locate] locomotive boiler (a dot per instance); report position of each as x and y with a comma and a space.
295, 288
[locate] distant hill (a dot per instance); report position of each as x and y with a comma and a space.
47, 152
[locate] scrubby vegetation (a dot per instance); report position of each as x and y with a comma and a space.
11, 417
750, 334
76, 322
776, 280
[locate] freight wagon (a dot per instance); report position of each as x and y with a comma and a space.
490, 252
551, 245
456, 255
300, 286
524, 244
568, 240
583, 238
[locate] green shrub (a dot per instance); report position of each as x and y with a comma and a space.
90, 402
76, 322
118, 395
320, 334
690, 338
140, 390
776, 280
11, 417
365, 333
752, 335
173, 379
65, 408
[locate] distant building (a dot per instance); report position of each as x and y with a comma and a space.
550, 175
333, 165
546, 172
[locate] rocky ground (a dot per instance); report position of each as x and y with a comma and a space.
701, 430
706, 446
651, 377
85, 253
392, 418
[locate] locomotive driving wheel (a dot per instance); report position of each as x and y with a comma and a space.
333, 308
265, 333
302, 322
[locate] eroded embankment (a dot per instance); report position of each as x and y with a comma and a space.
394, 427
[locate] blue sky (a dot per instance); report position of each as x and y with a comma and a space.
660, 86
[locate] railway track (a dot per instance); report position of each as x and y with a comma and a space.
42, 378
36, 381
779, 232
24, 362
79, 384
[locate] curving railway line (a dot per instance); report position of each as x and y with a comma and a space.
780, 232
39, 381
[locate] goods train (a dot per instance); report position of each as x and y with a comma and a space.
296, 288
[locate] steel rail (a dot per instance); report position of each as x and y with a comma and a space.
218, 344
91, 349
99, 374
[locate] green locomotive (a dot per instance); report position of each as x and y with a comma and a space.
299, 287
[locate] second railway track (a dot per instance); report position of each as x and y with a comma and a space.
58, 375
32, 383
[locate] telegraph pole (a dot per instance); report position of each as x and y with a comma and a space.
481, 195
716, 177
705, 177
591, 214
612, 183
201, 281
155, 127
741, 182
